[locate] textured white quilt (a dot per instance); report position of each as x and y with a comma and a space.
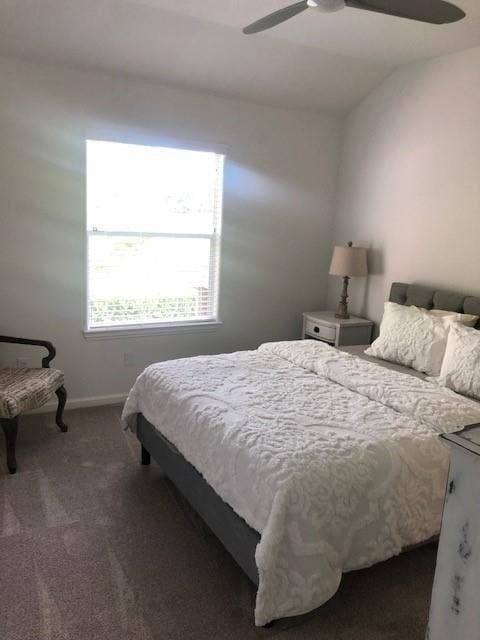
334, 460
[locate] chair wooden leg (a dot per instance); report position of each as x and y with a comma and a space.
10, 429
62, 399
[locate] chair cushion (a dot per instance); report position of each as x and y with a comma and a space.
25, 389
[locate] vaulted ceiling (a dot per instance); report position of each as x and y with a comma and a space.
315, 61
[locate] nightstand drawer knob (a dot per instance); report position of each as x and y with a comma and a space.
316, 329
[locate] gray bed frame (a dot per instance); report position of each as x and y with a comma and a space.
238, 538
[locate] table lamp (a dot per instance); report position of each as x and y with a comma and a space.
347, 262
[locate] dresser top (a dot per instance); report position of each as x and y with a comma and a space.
468, 438
328, 318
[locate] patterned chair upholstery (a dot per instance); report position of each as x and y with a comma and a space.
26, 389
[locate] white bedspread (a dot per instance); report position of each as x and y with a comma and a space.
334, 460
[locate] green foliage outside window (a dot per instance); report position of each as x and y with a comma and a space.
134, 310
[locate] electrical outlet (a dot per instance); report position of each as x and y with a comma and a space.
128, 359
22, 363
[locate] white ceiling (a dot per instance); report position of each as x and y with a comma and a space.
314, 61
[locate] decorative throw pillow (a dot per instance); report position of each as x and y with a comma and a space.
412, 337
464, 318
461, 365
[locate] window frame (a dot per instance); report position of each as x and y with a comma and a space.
137, 329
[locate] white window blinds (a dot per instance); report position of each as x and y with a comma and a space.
154, 229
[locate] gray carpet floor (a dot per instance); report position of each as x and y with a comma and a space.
94, 546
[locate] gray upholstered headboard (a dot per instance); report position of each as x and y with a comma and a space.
430, 298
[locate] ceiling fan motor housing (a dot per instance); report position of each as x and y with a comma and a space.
326, 6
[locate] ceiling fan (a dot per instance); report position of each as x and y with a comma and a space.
432, 11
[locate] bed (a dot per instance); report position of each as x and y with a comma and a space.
305, 461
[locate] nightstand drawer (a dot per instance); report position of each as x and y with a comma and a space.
339, 332
320, 331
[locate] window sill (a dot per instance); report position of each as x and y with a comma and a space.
138, 331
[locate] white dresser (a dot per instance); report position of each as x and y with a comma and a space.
455, 606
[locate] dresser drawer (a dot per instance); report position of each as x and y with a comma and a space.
320, 331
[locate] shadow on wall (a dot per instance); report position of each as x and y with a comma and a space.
376, 268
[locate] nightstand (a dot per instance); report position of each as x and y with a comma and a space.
455, 595
324, 326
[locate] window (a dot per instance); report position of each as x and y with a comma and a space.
153, 226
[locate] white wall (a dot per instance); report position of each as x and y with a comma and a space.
279, 197
409, 183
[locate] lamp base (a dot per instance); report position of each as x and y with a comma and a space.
342, 309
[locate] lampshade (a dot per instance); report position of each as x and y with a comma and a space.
349, 261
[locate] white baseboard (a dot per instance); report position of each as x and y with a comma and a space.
83, 403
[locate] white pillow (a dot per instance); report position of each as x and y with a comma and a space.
461, 364
465, 318
412, 337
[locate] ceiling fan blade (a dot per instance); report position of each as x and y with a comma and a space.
432, 11
276, 17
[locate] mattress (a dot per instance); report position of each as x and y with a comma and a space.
333, 459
